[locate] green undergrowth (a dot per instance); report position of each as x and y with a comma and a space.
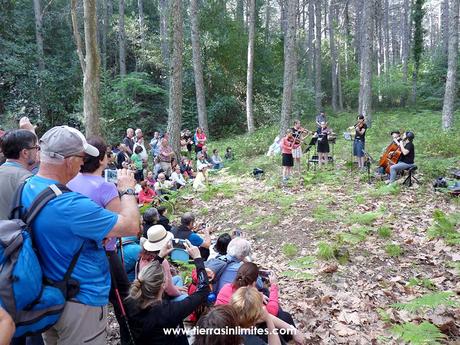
429, 301
393, 250
355, 235
223, 190
364, 218
421, 282
424, 333
444, 226
290, 250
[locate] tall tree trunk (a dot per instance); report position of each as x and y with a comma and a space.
358, 30
347, 40
318, 90
197, 67
339, 87
406, 29
283, 16
332, 23
91, 76
250, 71
40, 54
386, 38
122, 37
445, 27
418, 14
164, 42
105, 30
310, 40
365, 90
451, 82
175, 94
289, 66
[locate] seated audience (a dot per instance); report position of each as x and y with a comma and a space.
247, 276
136, 158
204, 151
219, 318
147, 194
149, 315
158, 237
216, 160
229, 154
163, 220
178, 178
201, 179
248, 303
186, 168
156, 167
220, 248
150, 218
129, 254
150, 178
186, 231
162, 186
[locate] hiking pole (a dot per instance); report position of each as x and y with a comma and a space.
120, 304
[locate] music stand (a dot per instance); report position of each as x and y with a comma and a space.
311, 144
368, 162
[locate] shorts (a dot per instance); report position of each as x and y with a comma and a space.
323, 147
287, 160
358, 148
297, 153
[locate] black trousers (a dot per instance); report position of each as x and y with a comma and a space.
119, 280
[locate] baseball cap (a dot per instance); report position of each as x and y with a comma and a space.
65, 141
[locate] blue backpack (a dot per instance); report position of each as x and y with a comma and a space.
34, 302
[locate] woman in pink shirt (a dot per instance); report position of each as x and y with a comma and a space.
287, 145
247, 276
199, 139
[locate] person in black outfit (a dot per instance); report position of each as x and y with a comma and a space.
323, 143
150, 218
149, 314
129, 140
122, 156
186, 231
406, 161
163, 220
360, 140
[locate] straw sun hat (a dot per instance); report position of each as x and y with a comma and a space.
157, 236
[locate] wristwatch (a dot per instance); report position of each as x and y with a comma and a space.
128, 191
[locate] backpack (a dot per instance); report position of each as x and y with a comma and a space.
34, 302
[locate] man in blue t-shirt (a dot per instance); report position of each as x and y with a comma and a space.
72, 221
186, 231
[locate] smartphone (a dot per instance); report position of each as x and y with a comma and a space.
110, 176
202, 226
237, 233
179, 243
265, 274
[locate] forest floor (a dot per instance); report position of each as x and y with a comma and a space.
346, 252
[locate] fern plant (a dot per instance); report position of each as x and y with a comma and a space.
444, 227
423, 334
429, 301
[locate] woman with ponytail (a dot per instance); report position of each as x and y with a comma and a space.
150, 315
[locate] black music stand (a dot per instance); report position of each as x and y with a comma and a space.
368, 162
314, 158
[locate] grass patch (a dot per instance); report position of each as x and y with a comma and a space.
384, 232
297, 275
424, 282
325, 251
384, 189
393, 250
359, 199
223, 190
366, 218
290, 250
322, 214
444, 227
430, 301
418, 334
302, 262
355, 236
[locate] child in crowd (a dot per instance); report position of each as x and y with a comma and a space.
178, 178
216, 160
229, 154
147, 194
137, 161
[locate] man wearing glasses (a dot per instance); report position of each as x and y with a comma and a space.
20, 148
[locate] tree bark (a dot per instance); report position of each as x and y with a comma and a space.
197, 67
175, 94
445, 27
240, 12
76, 35
386, 38
39, 35
318, 90
164, 42
140, 7
310, 40
122, 37
250, 70
405, 45
283, 15
333, 56
105, 30
365, 90
289, 67
91, 76
452, 61
267, 22
347, 40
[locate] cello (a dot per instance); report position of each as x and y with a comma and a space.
390, 156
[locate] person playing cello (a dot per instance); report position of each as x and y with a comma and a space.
391, 154
406, 161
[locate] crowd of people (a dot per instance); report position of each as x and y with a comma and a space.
119, 256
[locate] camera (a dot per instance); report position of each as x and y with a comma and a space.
265, 274
179, 243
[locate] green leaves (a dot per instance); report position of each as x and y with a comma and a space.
429, 301
422, 334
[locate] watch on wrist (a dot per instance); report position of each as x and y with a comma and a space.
128, 191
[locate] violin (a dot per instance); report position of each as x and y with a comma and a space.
391, 155
297, 138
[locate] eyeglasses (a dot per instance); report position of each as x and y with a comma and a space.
37, 147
